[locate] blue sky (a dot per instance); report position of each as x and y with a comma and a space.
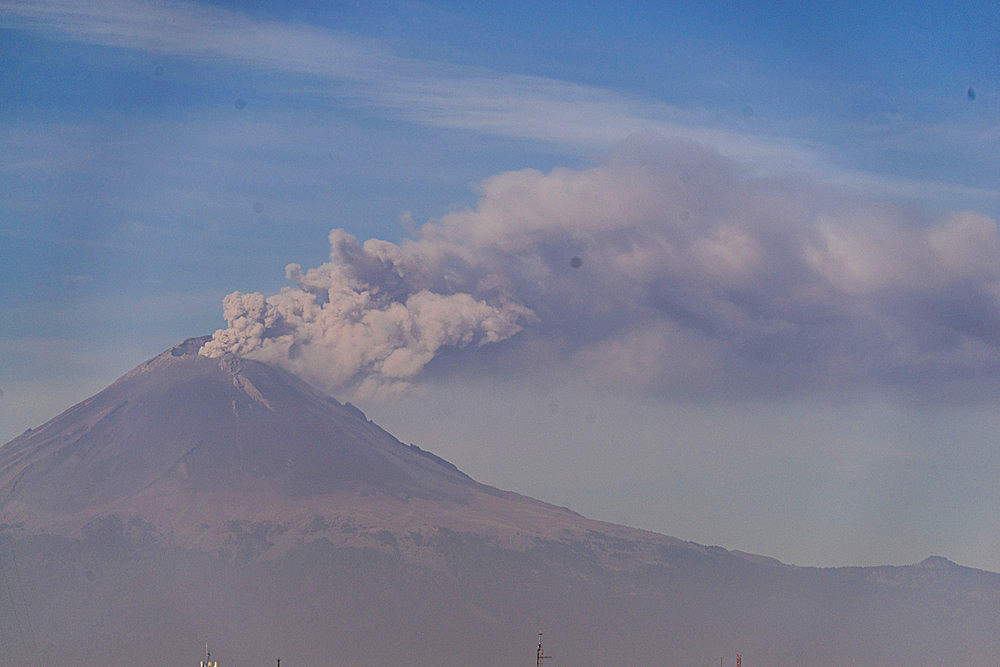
782, 338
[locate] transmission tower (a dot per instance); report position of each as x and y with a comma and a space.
541, 652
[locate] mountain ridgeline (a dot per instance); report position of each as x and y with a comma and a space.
226, 500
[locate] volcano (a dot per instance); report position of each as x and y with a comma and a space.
225, 500
185, 441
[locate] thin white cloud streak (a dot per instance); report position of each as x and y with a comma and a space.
428, 93
431, 93
697, 276
188, 29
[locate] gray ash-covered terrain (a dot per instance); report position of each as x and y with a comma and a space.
224, 500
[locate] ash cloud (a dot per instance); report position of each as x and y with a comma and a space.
667, 268
368, 320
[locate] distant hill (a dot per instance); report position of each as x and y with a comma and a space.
226, 500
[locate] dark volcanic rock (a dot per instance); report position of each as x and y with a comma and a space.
225, 500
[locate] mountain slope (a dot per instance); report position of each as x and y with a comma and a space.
191, 422
225, 500
184, 441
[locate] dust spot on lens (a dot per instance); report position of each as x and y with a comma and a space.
971, 94
159, 70
258, 207
684, 215
241, 103
576, 262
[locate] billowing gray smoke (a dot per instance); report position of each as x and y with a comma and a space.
668, 268
370, 319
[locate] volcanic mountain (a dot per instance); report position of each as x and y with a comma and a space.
226, 500
184, 441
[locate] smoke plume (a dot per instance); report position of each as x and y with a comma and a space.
668, 268
370, 319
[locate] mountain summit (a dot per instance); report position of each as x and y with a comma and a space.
225, 499
188, 423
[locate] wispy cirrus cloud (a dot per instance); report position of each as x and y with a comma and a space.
193, 30
361, 72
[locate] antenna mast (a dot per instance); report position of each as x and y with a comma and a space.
541, 652
207, 662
